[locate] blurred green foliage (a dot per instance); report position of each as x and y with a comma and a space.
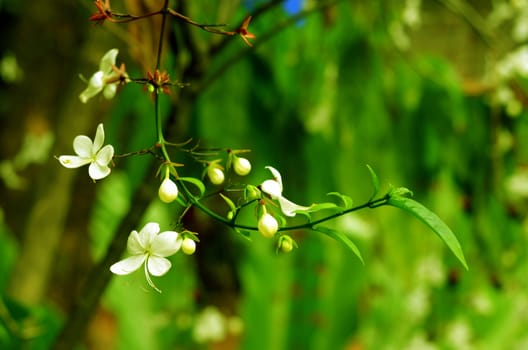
319, 100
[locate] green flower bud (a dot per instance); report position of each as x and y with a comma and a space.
168, 191
251, 192
286, 244
242, 166
268, 225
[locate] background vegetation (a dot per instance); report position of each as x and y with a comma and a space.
432, 95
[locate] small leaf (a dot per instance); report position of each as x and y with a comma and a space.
375, 181
347, 201
246, 234
339, 236
192, 180
432, 220
229, 202
400, 192
319, 206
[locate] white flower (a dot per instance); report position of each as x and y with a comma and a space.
89, 152
98, 81
150, 249
210, 326
274, 189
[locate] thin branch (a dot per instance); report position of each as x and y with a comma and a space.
262, 39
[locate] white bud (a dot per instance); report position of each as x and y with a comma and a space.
188, 246
216, 175
268, 225
168, 191
242, 166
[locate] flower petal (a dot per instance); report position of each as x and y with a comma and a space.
73, 161
99, 139
82, 145
108, 60
89, 92
148, 233
109, 91
158, 266
289, 208
97, 80
272, 188
98, 171
105, 155
165, 244
128, 265
134, 244
276, 175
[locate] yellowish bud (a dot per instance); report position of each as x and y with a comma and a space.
216, 175
242, 166
168, 191
188, 246
268, 225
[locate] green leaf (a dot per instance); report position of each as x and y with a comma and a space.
432, 220
319, 206
375, 181
347, 201
197, 183
245, 233
339, 236
229, 202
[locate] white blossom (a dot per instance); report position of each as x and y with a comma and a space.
92, 153
150, 249
99, 80
274, 189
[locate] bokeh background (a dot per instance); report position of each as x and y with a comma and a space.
430, 94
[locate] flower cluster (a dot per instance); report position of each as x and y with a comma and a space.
149, 248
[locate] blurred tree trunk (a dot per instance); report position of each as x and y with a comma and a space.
52, 49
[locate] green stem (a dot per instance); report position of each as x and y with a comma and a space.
373, 203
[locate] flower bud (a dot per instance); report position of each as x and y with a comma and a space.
188, 246
168, 191
242, 166
251, 192
286, 244
268, 225
216, 175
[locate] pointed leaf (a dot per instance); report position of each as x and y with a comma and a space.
375, 181
192, 180
246, 234
339, 236
320, 206
229, 202
433, 221
347, 201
